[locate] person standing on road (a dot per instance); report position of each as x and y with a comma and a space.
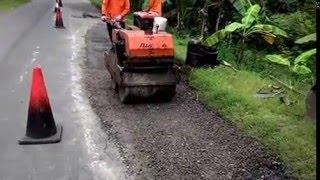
114, 11
155, 6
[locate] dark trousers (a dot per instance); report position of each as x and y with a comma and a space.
110, 28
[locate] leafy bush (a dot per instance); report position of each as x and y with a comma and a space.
227, 52
282, 6
301, 62
248, 28
297, 24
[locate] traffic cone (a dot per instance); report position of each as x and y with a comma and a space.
59, 21
41, 128
60, 3
56, 7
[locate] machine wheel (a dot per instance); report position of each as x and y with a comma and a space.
169, 93
135, 94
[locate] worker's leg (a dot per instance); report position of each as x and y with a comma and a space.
122, 24
109, 27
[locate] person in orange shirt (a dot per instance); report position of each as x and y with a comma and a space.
155, 6
114, 10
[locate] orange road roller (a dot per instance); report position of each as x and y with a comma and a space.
141, 62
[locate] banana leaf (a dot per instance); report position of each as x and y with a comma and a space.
267, 28
278, 59
301, 69
268, 37
240, 5
215, 38
308, 38
233, 27
251, 15
304, 57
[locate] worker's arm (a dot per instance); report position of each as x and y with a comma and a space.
126, 10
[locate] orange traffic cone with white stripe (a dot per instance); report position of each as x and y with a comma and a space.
41, 127
59, 21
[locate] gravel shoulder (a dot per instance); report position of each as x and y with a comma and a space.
181, 139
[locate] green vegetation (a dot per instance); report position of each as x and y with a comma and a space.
96, 3
9, 4
279, 126
278, 122
180, 45
247, 28
301, 62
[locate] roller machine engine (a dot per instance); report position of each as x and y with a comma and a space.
140, 61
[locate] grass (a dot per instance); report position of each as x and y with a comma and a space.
9, 4
279, 127
96, 3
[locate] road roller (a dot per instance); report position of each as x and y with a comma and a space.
141, 61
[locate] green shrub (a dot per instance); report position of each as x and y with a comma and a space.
297, 24
254, 61
283, 6
227, 52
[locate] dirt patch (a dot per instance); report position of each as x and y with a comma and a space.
179, 139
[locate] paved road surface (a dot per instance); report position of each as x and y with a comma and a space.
27, 38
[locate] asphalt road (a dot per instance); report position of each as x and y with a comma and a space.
27, 39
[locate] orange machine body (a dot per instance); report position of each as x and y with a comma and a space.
140, 44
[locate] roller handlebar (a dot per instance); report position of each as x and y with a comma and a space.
113, 22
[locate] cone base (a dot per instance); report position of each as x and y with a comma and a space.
49, 140
60, 27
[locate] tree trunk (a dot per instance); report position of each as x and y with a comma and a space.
218, 18
241, 52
